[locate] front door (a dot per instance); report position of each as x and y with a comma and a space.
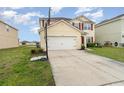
82, 39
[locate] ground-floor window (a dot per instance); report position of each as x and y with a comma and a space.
89, 39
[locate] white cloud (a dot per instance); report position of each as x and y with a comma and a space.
20, 18
8, 14
81, 10
92, 13
10, 8
55, 10
35, 29
16, 8
97, 14
27, 18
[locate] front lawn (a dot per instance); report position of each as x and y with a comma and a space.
110, 52
16, 68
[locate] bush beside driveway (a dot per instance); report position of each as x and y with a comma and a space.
16, 68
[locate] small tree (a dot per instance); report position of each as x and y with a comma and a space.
82, 47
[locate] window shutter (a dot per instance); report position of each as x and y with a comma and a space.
82, 26
92, 39
79, 26
91, 26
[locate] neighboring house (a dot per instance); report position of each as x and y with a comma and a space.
8, 36
24, 43
111, 30
66, 33
30, 43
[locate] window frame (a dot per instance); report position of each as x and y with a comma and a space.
87, 26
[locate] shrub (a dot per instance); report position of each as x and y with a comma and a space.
37, 45
82, 47
91, 44
108, 44
98, 45
40, 50
122, 44
33, 51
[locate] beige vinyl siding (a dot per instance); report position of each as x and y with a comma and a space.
109, 32
42, 41
122, 34
62, 29
8, 39
90, 33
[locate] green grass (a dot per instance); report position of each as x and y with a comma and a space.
16, 69
110, 52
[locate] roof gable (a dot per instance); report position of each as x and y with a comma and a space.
110, 20
8, 25
65, 22
82, 19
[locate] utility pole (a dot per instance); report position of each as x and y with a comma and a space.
46, 41
49, 16
46, 25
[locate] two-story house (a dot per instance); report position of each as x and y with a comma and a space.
8, 36
111, 30
66, 33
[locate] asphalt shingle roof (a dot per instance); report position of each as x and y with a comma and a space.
111, 19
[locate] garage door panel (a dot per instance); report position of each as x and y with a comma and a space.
61, 43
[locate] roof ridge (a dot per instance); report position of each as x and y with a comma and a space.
64, 21
56, 18
8, 24
106, 20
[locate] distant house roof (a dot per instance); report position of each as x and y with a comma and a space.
29, 42
25, 42
8, 25
108, 20
56, 18
66, 19
35, 41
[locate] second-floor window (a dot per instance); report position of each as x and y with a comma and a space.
87, 26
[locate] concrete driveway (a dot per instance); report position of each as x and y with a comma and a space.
76, 67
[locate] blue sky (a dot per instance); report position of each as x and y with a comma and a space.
26, 19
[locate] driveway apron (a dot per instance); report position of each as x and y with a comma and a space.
79, 68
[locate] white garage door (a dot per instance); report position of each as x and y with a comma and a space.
61, 43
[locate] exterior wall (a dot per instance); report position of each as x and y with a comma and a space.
64, 31
42, 42
8, 39
109, 32
90, 33
81, 18
122, 34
